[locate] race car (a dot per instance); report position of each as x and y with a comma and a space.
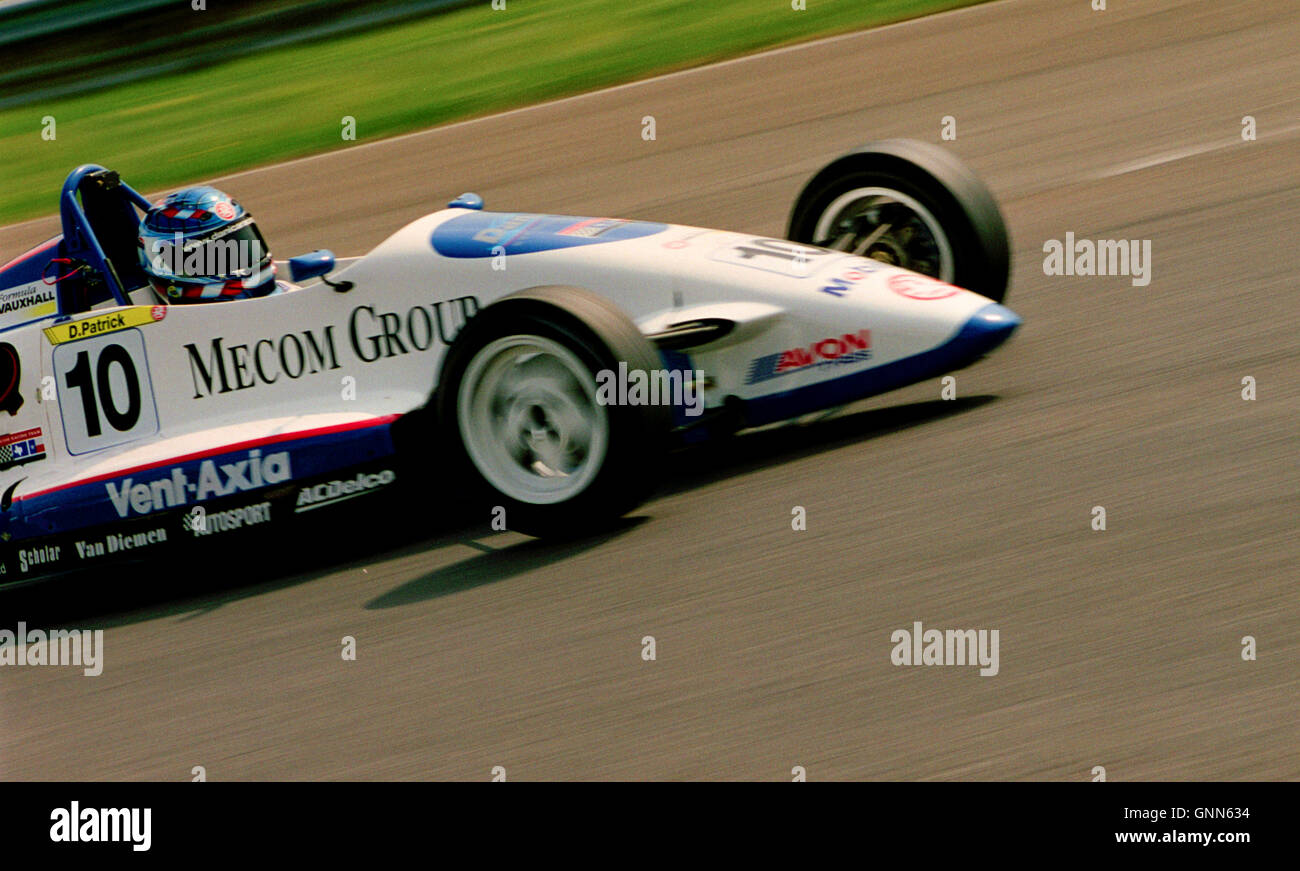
546, 361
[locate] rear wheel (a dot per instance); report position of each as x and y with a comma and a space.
909, 204
518, 401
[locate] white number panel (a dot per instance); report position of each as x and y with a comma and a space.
105, 394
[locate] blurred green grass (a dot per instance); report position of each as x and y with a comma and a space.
288, 102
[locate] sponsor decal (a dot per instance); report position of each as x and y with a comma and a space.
845, 280
590, 228
320, 495
20, 304
206, 523
118, 542
372, 334
18, 448
845, 350
34, 557
916, 286
11, 373
486, 234
136, 316
285, 464
172, 488
224, 211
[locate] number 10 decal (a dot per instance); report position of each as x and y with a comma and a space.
105, 395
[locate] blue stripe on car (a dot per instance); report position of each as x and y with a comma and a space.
989, 327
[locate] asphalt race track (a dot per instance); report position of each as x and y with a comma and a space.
1118, 648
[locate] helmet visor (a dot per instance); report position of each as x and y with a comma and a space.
236, 251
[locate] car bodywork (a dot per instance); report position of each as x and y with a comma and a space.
131, 426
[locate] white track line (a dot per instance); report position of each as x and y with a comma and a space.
1190, 151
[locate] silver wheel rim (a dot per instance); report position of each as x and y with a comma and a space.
909, 253
529, 419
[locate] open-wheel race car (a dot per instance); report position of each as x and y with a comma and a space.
546, 360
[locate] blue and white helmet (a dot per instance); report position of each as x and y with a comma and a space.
199, 245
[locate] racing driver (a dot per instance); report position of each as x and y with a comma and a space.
200, 245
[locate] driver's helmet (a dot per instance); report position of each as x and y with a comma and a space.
199, 245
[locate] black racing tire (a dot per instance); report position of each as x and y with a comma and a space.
594, 333
961, 204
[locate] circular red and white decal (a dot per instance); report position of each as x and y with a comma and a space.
158, 312
224, 211
921, 287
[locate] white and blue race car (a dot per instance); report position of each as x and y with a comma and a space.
553, 359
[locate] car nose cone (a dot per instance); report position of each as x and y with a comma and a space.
989, 327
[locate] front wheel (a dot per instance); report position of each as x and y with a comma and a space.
909, 204
518, 400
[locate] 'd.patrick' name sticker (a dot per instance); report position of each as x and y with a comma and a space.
136, 316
